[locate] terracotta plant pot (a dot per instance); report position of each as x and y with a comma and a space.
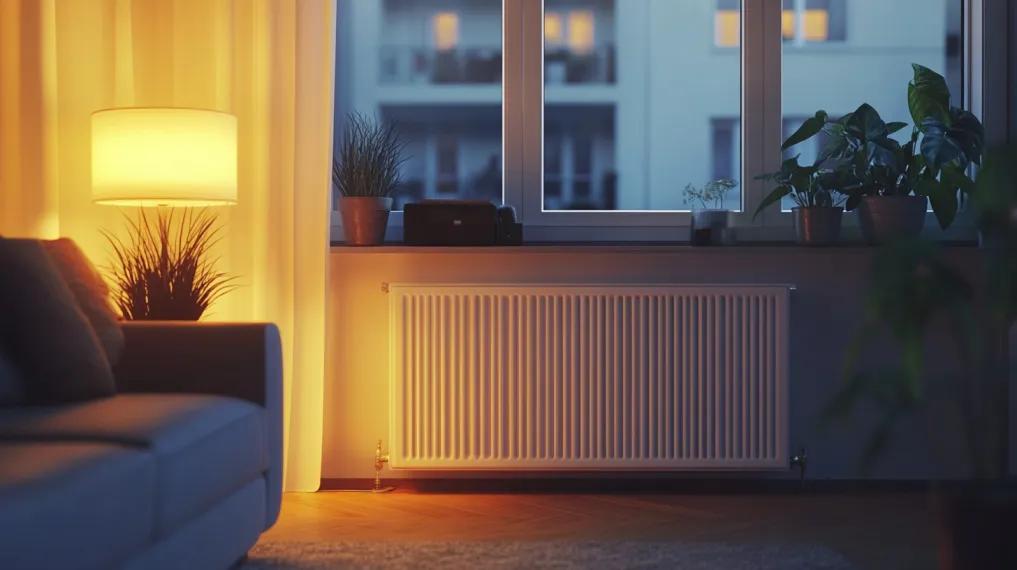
709, 227
364, 219
817, 225
888, 218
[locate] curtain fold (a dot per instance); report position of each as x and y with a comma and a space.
270, 63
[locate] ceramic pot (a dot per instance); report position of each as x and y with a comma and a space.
817, 225
709, 227
888, 218
364, 219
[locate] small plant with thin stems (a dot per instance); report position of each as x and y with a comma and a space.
711, 195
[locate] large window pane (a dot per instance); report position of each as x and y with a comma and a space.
642, 98
433, 68
869, 48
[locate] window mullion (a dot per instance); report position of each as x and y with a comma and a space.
513, 126
761, 108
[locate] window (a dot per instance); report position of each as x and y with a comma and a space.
607, 109
629, 135
434, 69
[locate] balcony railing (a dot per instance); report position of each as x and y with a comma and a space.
563, 66
406, 65
411, 65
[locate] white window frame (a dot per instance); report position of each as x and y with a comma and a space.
985, 88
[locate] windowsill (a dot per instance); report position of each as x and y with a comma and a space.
616, 247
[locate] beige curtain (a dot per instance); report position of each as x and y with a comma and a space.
269, 62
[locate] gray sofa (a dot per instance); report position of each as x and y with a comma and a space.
181, 469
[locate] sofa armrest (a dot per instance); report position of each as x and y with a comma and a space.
241, 360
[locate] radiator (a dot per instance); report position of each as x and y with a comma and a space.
537, 377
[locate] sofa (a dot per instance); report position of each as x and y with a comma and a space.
180, 468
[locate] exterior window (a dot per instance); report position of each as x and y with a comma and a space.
635, 146
728, 23
815, 21
432, 68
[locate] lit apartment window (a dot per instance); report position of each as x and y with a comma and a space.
554, 29
582, 28
446, 30
727, 22
814, 21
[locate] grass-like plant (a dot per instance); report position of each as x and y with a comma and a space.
367, 162
162, 269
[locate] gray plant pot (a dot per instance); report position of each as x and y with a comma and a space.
709, 227
364, 219
817, 225
888, 218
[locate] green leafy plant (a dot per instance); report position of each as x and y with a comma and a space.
915, 289
808, 186
711, 194
861, 157
368, 161
162, 271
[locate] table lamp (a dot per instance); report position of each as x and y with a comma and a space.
166, 158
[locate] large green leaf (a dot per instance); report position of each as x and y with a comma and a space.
969, 134
866, 124
810, 128
939, 148
943, 198
928, 96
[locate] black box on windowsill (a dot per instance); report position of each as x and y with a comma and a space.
450, 222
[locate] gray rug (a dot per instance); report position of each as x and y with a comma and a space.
566, 554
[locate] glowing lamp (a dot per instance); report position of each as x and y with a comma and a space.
164, 157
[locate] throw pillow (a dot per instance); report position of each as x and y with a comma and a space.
91, 293
44, 332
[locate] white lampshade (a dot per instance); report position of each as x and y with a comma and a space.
164, 156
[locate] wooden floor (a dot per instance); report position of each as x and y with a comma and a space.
872, 530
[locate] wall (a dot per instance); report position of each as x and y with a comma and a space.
826, 311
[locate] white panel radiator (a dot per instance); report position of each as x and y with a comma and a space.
539, 377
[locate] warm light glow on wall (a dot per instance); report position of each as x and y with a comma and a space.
164, 156
553, 32
446, 30
728, 28
787, 24
582, 29
817, 25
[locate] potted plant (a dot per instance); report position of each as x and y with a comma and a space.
914, 290
890, 183
365, 171
817, 212
709, 220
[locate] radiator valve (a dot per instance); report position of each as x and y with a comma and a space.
380, 460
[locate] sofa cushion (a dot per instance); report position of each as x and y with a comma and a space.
205, 447
91, 293
74, 505
45, 333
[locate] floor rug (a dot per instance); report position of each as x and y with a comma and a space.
557, 554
